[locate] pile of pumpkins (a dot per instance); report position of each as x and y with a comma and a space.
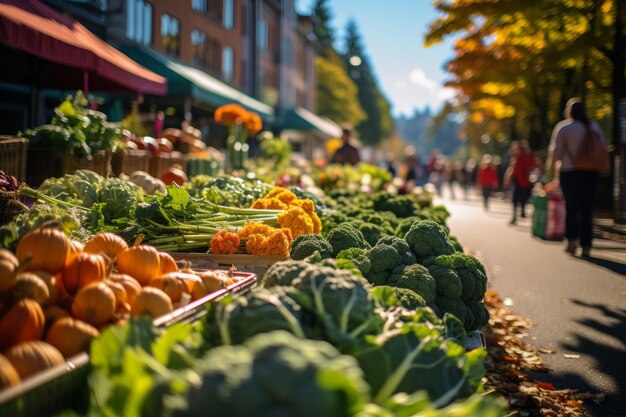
57, 294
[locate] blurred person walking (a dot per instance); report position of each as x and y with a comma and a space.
577, 172
347, 153
518, 177
487, 179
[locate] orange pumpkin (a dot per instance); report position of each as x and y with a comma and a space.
54, 313
108, 244
214, 280
168, 264
71, 336
8, 374
174, 175
55, 286
130, 284
170, 285
48, 247
29, 285
198, 291
94, 304
119, 291
32, 357
151, 301
9, 268
188, 279
22, 323
84, 269
140, 262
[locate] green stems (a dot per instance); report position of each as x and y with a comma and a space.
29, 192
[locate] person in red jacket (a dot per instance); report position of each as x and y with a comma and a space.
487, 179
518, 176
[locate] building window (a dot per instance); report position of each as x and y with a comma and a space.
214, 9
170, 34
229, 14
227, 63
199, 45
199, 5
139, 21
262, 41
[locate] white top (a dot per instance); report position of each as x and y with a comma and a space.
567, 136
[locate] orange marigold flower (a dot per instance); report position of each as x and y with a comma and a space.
225, 242
276, 244
253, 123
309, 207
282, 194
230, 114
269, 204
317, 223
253, 228
297, 221
288, 233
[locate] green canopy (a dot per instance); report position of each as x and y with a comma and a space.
184, 80
302, 119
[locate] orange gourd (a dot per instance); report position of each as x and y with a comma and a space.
55, 287
130, 284
94, 304
54, 313
8, 374
188, 279
84, 269
170, 285
108, 244
9, 268
48, 247
22, 323
168, 264
151, 301
214, 280
174, 175
140, 262
198, 291
29, 285
71, 336
32, 357
119, 291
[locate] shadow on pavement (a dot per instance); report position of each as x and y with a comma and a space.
617, 267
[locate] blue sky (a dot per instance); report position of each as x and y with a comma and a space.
410, 75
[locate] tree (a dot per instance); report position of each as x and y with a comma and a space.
336, 92
321, 26
379, 123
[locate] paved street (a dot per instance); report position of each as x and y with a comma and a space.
578, 306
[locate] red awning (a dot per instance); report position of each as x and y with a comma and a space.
33, 27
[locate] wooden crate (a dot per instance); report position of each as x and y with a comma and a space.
129, 161
45, 163
245, 263
162, 162
13, 153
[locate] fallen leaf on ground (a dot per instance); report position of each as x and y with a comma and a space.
569, 356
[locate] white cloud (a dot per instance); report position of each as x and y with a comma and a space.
415, 90
419, 77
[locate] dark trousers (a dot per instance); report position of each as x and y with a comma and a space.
486, 194
520, 199
579, 188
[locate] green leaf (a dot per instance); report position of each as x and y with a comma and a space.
454, 329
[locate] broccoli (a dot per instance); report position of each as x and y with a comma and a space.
402, 205
479, 313
345, 236
414, 277
383, 258
404, 250
402, 297
371, 232
358, 257
447, 280
331, 220
304, 246
457, 308
456, 244
283, 273
377, 278
438, 214
385, 219
405, 225
427, 238
471, 272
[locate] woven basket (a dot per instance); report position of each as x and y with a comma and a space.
43, 163
130, 161
10, 206
161, 163
13, 151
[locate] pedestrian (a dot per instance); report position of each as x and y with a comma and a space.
411, 168
469, 173
518, 177
578, 185
487, 179
347, 153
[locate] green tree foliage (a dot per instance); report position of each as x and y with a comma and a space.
379, 124
336, 92
322, 29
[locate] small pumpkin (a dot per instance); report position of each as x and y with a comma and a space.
9, 268
71, 336
54, 313
8, 375
198, 291
29, 285
48, 246
119, 291
170, 285
84, 269
108, 244
188, 279
23, 322
129, 283
151, 301
168, 264
55, 286
32, 357
214, 280
94, 304
140, 262
174, 175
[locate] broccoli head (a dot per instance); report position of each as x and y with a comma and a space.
383, 258
385, 219
427, 238
401, 205
402, 297
479, 313
447, 280
405, 225
456, 244
344, 237
283, 273
457, 308
404, 250
371, 232
471, 272
358, 257
331, 220
417, 278
304, 246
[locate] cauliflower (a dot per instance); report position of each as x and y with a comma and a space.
417, 278
304, 246
345, 236
427, 238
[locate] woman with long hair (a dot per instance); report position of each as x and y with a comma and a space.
578, 185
